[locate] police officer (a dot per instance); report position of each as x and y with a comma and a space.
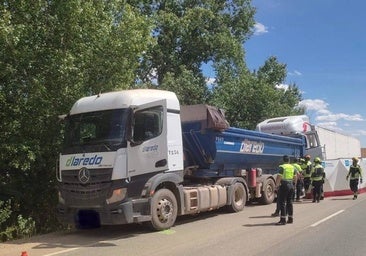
297, 188
306, 167
285, 182
317, 179
355, 174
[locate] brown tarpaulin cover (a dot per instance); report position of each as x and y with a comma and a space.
209, 116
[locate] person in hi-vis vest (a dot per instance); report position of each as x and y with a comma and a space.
285, 181
354, 175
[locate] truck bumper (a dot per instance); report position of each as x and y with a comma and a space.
132, 211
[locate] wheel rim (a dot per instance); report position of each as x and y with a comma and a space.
164, 210
269, 190
238, 197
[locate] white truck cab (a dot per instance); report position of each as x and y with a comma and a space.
115, 142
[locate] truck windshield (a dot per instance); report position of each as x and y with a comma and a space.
102, 130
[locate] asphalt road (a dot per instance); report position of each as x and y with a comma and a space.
335, 226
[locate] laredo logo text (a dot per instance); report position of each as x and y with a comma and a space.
248, 146
82, 161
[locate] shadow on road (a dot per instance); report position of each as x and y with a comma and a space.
103, 236
83, 238
342, 199
260, 224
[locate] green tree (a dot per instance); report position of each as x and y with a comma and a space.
282, 98
250, 98
53, 52
189, 88
189, 33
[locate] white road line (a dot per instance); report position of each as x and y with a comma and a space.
76, 248
325, 219
60, 252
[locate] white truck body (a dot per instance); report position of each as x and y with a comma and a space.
338, 145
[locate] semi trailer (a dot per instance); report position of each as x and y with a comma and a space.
137, 156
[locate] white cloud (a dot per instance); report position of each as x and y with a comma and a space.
323, 112
210, 81
335, 117
295, 73
314, 105
331, 126
361, 132
260, 29
325, 118
328, 124
282, 86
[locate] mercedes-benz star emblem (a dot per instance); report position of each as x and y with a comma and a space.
84, 175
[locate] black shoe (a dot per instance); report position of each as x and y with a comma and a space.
281, 223
313, 201
290, 220
275, 214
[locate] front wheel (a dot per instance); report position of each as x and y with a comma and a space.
164, 209
238, 197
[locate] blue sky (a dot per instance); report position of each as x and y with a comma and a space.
323, 44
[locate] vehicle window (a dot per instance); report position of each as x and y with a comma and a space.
148, 123
92, 128
311, 141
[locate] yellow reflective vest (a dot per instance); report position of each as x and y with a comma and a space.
306, 169
287, 172
355, 172
318, 173
297, 167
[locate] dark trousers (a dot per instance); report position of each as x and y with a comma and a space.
299, 185
285, 195
307, 182
317, 189
353, 184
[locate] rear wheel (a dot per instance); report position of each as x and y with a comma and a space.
164, 209
268, 194
238, 197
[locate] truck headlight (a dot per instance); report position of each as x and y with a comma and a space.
117, 195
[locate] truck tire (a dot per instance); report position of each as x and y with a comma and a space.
164, 210
238, 197
268, 195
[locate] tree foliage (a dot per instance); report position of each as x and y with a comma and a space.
54, 52
250, 98
189, 33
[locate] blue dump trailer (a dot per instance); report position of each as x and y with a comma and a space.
213, 150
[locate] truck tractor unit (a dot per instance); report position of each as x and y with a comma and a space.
137, 156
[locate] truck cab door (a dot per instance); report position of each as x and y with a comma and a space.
313, 147
147, 149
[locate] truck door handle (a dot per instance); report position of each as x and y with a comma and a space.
161, 163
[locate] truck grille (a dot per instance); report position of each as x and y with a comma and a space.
94, 192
